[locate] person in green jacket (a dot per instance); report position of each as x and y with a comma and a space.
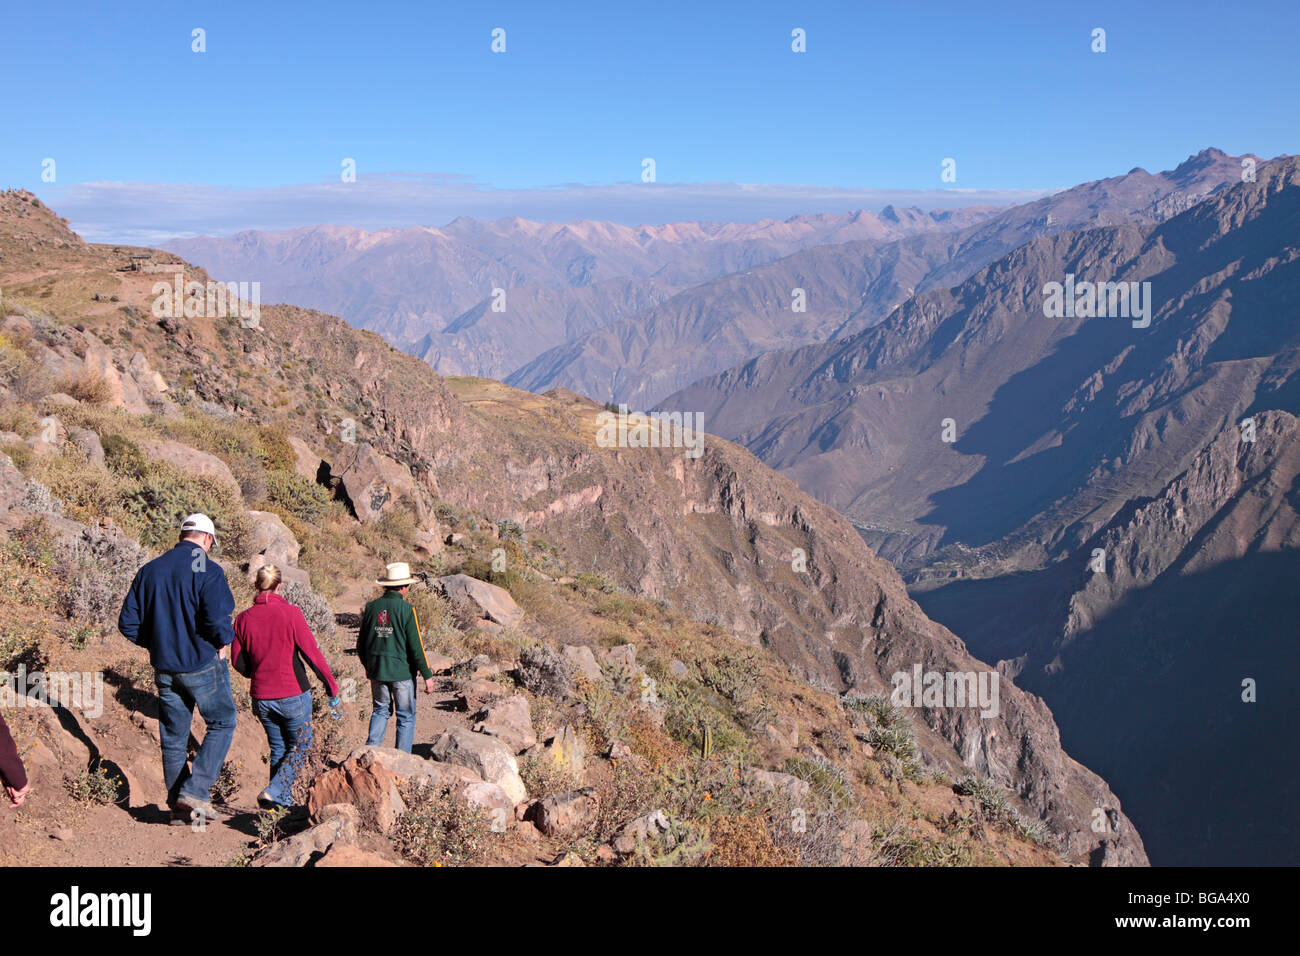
391, 651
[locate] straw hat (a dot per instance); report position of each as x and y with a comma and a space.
396, 575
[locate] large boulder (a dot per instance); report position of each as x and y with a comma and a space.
306, 462
490, 796
374, 482
584, 659
271, 540
89, 443
371, 778
568, 814
474, 695
304, 849
190, 460
486, 600
486, 756
510, 721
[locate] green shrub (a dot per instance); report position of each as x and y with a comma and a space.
891, 731
301, 497
543, 775
166, 494
991, 798
22, 644
123, 455
95, 787
274, 450
440, 828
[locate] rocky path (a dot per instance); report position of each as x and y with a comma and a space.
52, 830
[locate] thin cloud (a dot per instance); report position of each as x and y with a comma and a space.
148, 213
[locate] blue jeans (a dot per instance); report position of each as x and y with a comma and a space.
288, 730
207, 688
400, 695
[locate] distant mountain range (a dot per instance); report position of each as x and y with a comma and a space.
847, 287
1097, 519
431, 291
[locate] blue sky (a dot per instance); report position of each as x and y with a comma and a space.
155, 137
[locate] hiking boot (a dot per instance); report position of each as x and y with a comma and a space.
176, 817
196, 811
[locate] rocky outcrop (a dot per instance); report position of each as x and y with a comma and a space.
190, 460
567, 814
370, 780
376, 483
487, 756
485, 600
509, 721
271, 542
305, 461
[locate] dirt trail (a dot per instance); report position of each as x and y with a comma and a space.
53, 830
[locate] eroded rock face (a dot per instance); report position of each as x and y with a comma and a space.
1196, 594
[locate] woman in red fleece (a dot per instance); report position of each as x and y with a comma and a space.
272, 645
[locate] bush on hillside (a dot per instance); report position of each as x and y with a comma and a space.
439, 827
90, 387
274, 450
301, 497
166, 494
98, 568
317, 611
123, 455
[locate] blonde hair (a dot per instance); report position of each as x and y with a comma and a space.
268, 576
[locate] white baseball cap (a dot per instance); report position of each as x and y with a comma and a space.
199, 522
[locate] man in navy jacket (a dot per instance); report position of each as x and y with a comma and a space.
179, 608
